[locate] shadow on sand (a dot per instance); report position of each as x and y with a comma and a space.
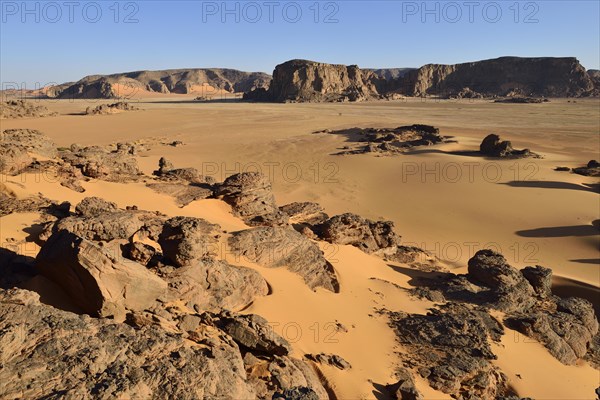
562, 231
586, 187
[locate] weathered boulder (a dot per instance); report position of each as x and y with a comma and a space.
102, 227
97, 281
186, 240
509, 290
251, 197
213, 285
95, 206
369, 236
275, 247
304, 213
184, 194
254, 333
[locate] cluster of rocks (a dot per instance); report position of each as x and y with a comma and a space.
522, 100
493, 146
105, 109
23, 109
466, 93
135, 266
450, 346
565, 326
385, 141
30, 151
591, 169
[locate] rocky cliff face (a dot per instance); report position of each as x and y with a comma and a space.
180, 81
550, 77
309, 81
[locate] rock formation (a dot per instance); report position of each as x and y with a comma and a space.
275, 247
251, 197
591, 169
96, 280
388, 141
548, 77
23, 109
309, 81
492, 146
106, 109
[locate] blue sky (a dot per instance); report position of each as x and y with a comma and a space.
58, 41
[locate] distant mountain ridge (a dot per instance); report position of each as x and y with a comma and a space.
204, 81
310, 81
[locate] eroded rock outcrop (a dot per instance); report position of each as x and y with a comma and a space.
23, 109
275, 247
113, 108
97, 281
104, 164
566, 326
251, 197
309, 81
186, 240
89, 358
450, 347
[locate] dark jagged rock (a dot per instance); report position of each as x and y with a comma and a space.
389, 141
167, 172
492, 146
540, 278
509, 290
297, 393
591, 169
450, 348
140, 252
251, 197
94, 279
275, 247
522, 100
185, 240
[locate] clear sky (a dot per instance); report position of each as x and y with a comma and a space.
60, 41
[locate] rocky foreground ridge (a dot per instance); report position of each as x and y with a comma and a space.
309, 81
131, 303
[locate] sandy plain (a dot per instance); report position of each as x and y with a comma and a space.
451, 205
